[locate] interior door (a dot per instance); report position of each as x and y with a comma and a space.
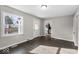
78, 30
36, 28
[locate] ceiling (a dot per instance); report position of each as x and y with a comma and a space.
51, 11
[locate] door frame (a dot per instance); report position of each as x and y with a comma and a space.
75, 30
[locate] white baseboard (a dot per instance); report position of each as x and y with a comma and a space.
6, 46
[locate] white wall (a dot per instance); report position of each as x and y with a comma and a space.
28, 28
62, 27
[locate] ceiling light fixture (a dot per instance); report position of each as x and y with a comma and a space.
43, 6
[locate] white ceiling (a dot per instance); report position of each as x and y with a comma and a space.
51, 11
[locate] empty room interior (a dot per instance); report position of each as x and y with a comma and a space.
39, 29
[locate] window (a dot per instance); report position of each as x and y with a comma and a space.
36, 27
11, 24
